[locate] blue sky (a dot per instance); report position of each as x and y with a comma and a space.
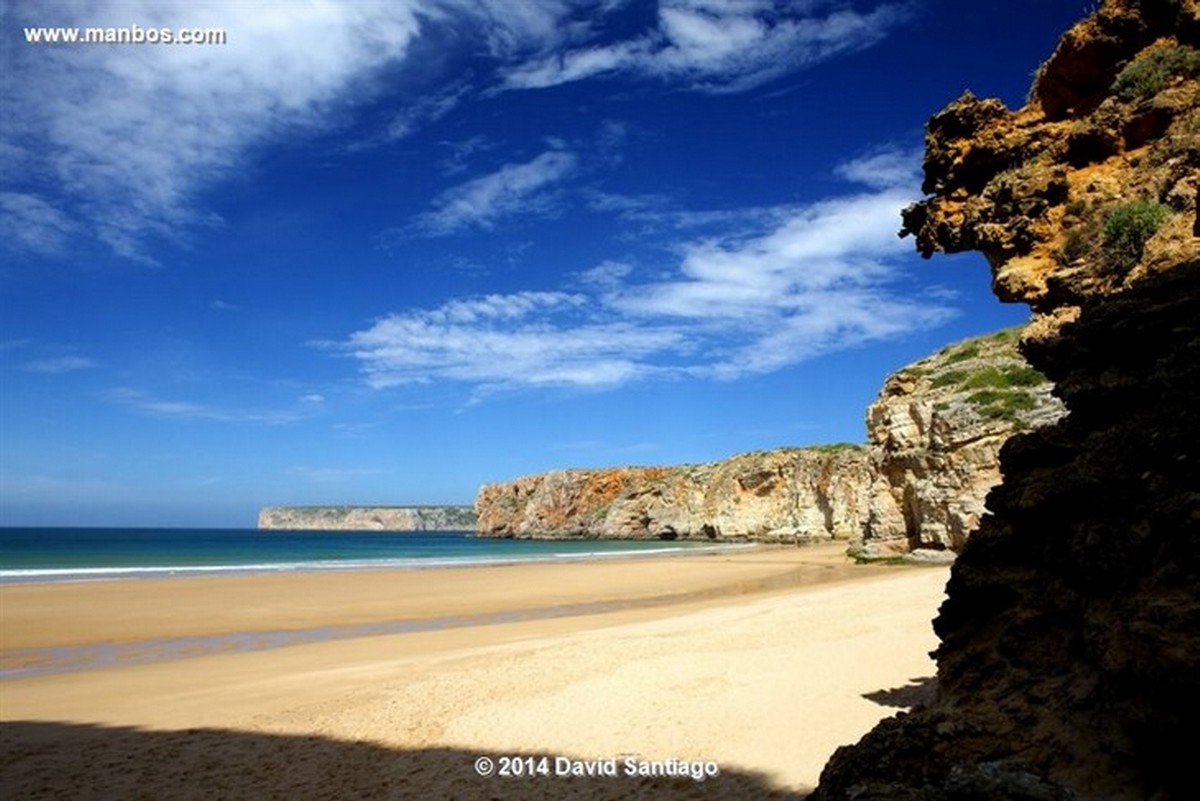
381, 253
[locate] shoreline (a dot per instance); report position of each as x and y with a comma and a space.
46, 660
49, 614
66, 575
759, 660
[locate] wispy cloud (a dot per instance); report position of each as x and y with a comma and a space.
606, 276
778, 289
127, 136
505, 341
460, 151
39, 486
116, 144
29, 223
60, 364
718, 45
817, 282
656, 214
524, 188
333, 475
418, 113
170, 409
885, 166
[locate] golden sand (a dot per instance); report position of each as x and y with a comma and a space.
757, 662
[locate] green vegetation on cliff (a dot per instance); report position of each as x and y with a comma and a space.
1149, 74
985, 377
1127, 228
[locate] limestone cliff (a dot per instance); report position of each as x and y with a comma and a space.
931, 457
781, 494
367, 518
934, 436
1070, 637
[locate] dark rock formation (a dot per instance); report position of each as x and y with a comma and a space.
1069, 664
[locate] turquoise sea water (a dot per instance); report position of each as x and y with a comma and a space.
89, 554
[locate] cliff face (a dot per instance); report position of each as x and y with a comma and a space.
1070, 638
771, 495
934, 436
367, 518
931, 457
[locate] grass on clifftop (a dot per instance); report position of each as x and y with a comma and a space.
1001, 404
970, 350
1004, 377
835, 447
998, 381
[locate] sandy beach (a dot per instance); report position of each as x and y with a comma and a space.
756, 664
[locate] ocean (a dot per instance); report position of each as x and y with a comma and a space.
94, 554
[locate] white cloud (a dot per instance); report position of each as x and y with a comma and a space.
482, 202
418, 113
656, 213
424, 111
885, 167
718, 46
129, 135
461, 151
818, 248
333, 475
504, 341
189, 410
116, 144
822, 280
30, 223
788, 284
60, 364
511, 29
891, 167
607, 275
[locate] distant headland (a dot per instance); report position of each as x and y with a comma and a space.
367, 518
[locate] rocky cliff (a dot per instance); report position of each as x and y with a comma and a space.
934, 436
367, 518
781, 494
919, 483
1070, 637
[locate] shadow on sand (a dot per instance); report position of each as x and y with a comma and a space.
916, 692
73, 761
